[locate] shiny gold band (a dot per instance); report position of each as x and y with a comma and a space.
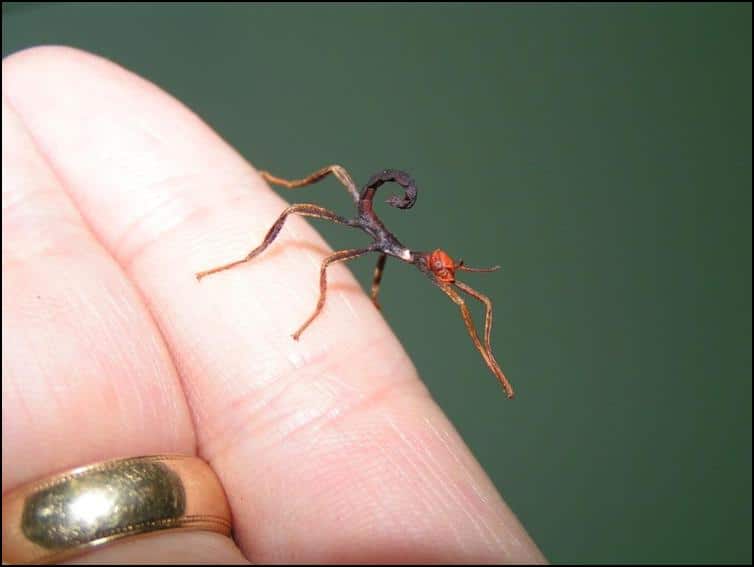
66, 514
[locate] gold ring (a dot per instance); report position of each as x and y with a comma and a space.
69, 513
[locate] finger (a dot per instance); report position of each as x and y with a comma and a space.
86, 375
329, 448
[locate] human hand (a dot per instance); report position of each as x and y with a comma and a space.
330, 449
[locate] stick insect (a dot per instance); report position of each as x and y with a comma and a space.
437, 265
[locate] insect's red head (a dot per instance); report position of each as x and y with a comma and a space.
442, 266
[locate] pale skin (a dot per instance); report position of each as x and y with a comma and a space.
114, 195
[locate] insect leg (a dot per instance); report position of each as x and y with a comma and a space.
377, 278
336, 257
303, 209
337, 170
484, 350
488, 314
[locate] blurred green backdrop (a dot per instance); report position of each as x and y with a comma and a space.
601, 154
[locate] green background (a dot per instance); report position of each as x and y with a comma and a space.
601, 154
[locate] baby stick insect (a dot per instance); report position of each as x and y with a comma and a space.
437, 265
